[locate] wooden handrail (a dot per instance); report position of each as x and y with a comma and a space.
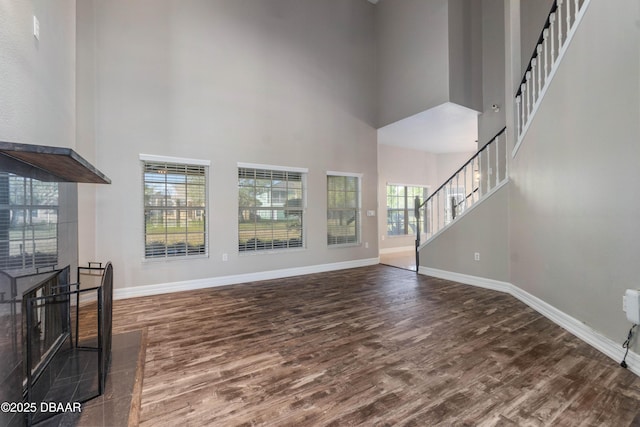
534, 55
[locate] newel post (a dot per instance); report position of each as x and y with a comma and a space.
417, 215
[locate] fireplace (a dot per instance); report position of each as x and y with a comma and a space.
38, 279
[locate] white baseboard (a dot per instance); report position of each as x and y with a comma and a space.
467, 279
398, 249
189, 285
587, 334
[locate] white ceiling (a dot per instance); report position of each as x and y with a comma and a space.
447, 128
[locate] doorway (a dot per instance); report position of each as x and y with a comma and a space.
405, 259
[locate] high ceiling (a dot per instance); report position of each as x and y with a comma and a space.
447, 128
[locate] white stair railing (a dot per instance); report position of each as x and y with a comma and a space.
558, 30
472, 182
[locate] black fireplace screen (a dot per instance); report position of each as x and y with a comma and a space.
45, 325
64, 368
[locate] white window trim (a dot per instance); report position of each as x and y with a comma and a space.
171, 159
359, 176
333, 173
408, 185
180, 160
272, 167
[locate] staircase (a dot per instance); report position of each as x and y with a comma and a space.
487, 170
474, 181
554, 39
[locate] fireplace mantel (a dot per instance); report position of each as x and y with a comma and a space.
46, 163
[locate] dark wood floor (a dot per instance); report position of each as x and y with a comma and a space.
367, 346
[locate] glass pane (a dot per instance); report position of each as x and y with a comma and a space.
176, 195
176, 179
195, 239
176, 221
154, 194
342, 226
196, 180
395, 222
338, 183
351, 200
332, 199
155, 177
294, 197
331, 183
154, 221
44, 193
352, 183
246, 182
196, 196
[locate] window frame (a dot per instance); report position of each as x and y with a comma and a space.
180, 161
407, 211
303, 209
358, 209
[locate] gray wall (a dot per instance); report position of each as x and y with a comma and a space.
413, 57
465, 53
428, 53
86, 125
284, 82
454, 249
37, 78
574, 200
491, 122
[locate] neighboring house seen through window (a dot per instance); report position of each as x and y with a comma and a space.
175, 208
270, 208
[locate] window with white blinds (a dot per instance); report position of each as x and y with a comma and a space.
28, 222
270, 209
343, 209
175, 209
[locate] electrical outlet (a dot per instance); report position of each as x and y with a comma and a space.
36, 28
631, 305
366, 245
476, 256
225, 257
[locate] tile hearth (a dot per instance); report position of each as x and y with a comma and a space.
120, 403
